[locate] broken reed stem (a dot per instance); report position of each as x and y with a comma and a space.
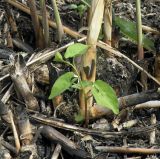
88, 73
149, 104
152, 139
108, 22
65, 126
57, 151
58, 20
45, 23
149, 29
11, 19
127, 150
9, 147
17, 142
35, 21
139, 30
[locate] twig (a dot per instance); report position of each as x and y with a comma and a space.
17, 142
105, 134
9, 146
127, 150
153, 132
69, 127
149, 29
54, 136
149, 104
56, 152
7, 94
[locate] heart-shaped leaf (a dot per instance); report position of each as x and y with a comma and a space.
75, 50
63, 83
58, 57
105, 95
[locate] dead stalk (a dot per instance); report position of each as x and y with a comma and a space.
108, 22
153, 132
89, 59
36, 24
127, 150
45, 23
17, 142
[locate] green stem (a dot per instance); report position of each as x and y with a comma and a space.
58, 20
139, 30
83, 91
77, 73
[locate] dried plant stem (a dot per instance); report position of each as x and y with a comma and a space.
58, 21
57, 151
127, 150
36, 24
108, 22
45, 23
89, 58
153, 132
11, 19
17, 142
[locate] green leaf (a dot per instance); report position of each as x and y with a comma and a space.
58, 57
63, 83
105, 95
81, 9
128, 28
84, 84
75, 50
72, 6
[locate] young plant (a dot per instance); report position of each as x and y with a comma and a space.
81, 8
102, 92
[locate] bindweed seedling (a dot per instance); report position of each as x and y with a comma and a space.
101, 91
